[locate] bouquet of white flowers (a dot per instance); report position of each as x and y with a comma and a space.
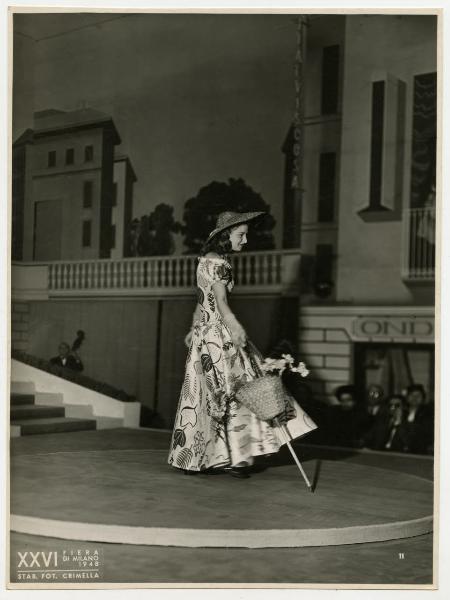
286, 362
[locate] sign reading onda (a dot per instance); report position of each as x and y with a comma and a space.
385, 327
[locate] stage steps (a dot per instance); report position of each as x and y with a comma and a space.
28, 417
36, 394
20, 399
53, 425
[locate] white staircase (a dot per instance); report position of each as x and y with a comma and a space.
64, 406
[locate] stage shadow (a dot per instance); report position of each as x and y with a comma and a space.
306, 454
315, 479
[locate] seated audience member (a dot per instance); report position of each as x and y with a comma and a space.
419, 419
346, 418
374, 405
374, 399
388, 431
67, 358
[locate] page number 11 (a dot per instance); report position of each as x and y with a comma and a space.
401, 555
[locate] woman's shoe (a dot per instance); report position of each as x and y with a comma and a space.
239, 472
187, 472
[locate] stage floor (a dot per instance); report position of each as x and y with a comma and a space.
362, 564
117, 494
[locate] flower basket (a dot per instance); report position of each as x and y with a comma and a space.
265, 396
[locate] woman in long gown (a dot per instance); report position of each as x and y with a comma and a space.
212, 429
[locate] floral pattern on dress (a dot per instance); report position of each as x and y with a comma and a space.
212, 428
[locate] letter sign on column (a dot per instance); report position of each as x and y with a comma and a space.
386, 327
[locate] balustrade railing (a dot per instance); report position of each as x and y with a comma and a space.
257, 271
419, 239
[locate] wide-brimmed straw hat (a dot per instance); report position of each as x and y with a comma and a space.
230, 219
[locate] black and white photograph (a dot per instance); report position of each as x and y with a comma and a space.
224, 252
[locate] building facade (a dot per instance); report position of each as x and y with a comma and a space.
368, 208
122, 206
363, 237
21, 156
67, 185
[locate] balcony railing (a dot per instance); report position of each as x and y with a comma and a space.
419, 235
253, 272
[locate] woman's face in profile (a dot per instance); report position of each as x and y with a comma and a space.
238, 237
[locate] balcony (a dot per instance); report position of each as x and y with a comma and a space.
419, 235
254, 272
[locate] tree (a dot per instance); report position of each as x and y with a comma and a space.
162, 226
152, 235
133, 236
201, 211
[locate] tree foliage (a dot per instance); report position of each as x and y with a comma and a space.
152, 235
201, 211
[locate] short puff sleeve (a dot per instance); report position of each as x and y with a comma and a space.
221, 271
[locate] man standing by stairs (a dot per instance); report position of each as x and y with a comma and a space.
67, 358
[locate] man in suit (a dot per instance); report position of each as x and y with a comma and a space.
419, 419
405, 426
66, 358
388, 430
374, 400
373, 407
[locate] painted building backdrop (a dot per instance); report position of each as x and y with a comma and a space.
202, 98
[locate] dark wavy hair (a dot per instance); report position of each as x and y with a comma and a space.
220, 244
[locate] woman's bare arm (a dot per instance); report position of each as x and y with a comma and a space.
197, 314
237, 331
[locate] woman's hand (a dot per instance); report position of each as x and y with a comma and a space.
238, 335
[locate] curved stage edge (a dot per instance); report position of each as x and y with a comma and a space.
219, 538
133, 497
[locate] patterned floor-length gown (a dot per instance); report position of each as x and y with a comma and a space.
212, 429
